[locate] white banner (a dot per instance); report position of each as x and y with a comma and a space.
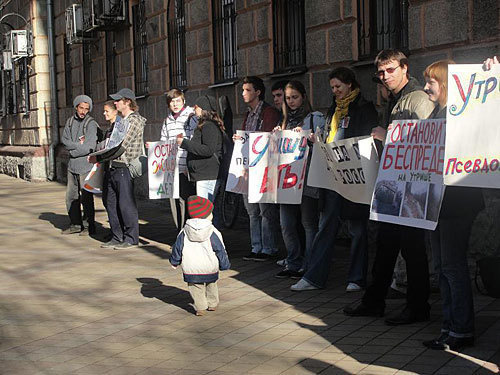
93, 181
472, 156
163, 170
348, 167
237, 178
409, 188
276, 166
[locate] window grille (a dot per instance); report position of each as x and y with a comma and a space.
110, 63
289, 35
8, 90
68, 84
22, 89
224, 35
177, 43
87, 69
140, 48
382, 24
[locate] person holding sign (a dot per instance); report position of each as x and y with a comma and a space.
264, 226
298, 115
350, 116
204, 149
450, 239
180, 120
407, 100
121, 203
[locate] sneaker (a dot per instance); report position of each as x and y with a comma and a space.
353, 287
110, 243
72, 229
302, 285
124, 245
286, 273
261, 257
250, 256
281, 262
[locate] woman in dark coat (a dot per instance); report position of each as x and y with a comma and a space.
349, 116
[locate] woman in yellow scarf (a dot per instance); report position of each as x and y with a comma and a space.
349, 116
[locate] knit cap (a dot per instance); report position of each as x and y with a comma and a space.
82, 99
199, 207
207, 103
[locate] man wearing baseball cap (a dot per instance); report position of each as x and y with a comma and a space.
118, 185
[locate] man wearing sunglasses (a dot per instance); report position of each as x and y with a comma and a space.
407, 100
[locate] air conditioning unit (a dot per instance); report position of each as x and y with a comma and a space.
74, 24
100, 15
20, 44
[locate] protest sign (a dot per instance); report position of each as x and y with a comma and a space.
116, 138
348, 167
93, 181
276, 166
472, 154
237, 178
163, 170
409, 188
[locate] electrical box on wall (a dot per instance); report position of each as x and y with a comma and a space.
99, 15
20, 44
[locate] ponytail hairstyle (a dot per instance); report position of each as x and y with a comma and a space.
439, 71
298, 86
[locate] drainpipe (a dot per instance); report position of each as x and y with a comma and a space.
54, 112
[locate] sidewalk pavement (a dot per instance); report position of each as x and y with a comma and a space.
69, 307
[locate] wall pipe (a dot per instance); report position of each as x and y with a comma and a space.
54, 110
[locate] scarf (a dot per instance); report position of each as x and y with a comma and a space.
340, 112
295, 118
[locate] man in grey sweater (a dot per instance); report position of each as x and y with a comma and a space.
80, 139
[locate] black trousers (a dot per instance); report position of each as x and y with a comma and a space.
118, 193
390, 240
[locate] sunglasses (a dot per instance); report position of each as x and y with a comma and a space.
380, 73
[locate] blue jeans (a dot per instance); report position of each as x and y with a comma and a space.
206, 189
324, 244
289, 215
264, 226
449, 250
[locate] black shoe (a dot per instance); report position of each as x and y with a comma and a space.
395, 294
435, 342
124, 245
250, 256
110, 243
363, 310
286, 273
90, 231
453, 343
261, 257
407, 316
72, 229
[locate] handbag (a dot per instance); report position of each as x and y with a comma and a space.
139, 166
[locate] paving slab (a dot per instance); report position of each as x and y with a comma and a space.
68, 306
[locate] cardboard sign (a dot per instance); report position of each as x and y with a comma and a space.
348, 167
237, 178
93, 181
409, 188
163, 170
472, 155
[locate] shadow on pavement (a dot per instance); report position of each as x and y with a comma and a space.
154, 288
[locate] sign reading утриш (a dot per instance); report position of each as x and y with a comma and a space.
472, 156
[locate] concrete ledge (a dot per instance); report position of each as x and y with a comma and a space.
26, 162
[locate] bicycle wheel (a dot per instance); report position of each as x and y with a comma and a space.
230, 208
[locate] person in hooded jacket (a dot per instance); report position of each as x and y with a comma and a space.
351, 115
200, 251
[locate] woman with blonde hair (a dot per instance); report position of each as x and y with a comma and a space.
450, 239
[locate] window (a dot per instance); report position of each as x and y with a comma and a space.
110, 62
22, 86
140, 48
289, 35
68, 74
382, 24
177, 43
224, 32
8, 98
87, 69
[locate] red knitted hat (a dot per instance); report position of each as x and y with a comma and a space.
199, 207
